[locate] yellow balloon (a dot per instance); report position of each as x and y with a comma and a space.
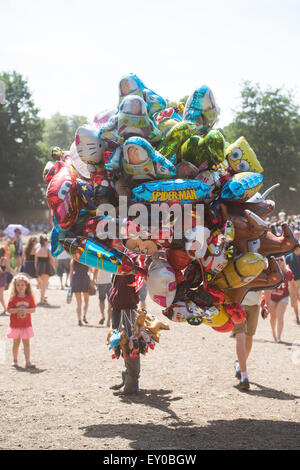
241, 157
240, 271
219, 319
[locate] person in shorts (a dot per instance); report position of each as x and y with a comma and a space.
280, 300
293, 262
63, 266
244, 333
18, 243
103, 281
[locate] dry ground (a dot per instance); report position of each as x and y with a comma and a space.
189, 398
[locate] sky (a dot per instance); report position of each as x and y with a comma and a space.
74, 53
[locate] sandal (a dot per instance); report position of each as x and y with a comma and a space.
101, 321
85, 320
15, 365
79, 323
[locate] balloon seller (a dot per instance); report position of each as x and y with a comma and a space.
153, 155
124, 299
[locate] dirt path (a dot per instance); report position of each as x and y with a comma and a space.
188, 399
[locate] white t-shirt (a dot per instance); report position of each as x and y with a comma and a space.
103, 277
63, 255
252, 298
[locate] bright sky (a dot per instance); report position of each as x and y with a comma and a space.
73, 53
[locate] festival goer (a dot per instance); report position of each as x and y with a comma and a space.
277, 300
44, 266
244, 333
123, 296
20, 307
80, 281
4, 267
18, 243
103, 281
293, 261
63, 266
28, 257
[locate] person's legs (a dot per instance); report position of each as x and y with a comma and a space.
102, 306
78, 306
26, 345
248, 344
67, 271
273, 318
86, 298
108, 313
18, 263
15, 349
60, 273
281, 308
2, 298
43, 286
241, 351
294, 300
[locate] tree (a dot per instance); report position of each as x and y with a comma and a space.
270, 122
60, 130
21, 156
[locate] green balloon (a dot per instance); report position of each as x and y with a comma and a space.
210, 149
176, 137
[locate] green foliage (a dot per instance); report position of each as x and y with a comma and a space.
270, 122
21, 157
60, 130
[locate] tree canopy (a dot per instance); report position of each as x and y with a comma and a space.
270, 121
60, 130
21, 156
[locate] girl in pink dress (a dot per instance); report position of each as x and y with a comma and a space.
20, 306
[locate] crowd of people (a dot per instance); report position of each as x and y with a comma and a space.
25, 263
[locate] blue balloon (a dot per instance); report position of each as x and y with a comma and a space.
86, 194
182, 191
56, 247
242, 186
130, 84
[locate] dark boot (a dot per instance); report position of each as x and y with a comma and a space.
118, 386
132, 374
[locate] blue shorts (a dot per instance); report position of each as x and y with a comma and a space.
285, 299
103, 290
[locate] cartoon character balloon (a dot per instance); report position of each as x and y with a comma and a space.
201, 109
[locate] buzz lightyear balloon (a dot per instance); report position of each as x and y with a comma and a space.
132, 120
201, 109
131, 85
143, 162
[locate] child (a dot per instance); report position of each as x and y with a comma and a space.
20, 306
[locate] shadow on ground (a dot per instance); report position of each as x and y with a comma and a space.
218, 434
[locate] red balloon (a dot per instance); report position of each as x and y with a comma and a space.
62, 196
229, 325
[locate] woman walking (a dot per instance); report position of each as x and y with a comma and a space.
28, 258
280, 299
80, 281
44, 266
